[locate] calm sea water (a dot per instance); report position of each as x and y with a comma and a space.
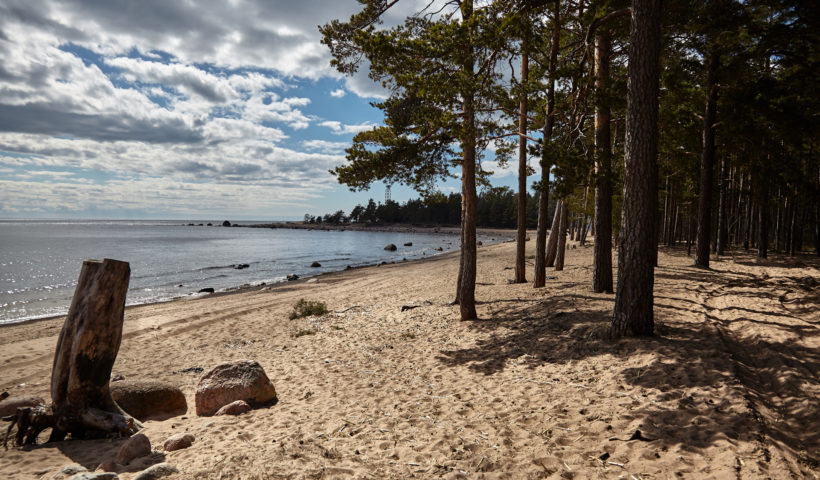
40, 260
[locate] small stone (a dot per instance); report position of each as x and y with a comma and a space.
391, 247
292, 277
157, 471
136, 447
315, 265
206, 290
234, 408
178, 442
408, 244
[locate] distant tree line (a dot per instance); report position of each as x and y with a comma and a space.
497, 208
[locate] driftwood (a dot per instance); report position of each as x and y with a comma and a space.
86, 350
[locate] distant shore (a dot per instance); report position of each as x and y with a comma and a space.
502, 233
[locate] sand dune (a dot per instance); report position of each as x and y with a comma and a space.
729, 388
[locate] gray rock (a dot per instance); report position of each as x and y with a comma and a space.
391, 247
226, 223
144, 399
292, 277
229, 382
207, 290
315, 265
157, 471
136, 447
10, 405
68, 471
95, 476
408, 244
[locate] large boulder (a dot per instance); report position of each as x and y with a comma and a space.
10, 405
229, 382
149, 399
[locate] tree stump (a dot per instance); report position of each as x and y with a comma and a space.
86, 351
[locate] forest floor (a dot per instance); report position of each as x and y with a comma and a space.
728, 388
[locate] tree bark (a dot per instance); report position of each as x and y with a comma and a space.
633, 313
707, 165
762, 231
562, 238
546, 163
723, 201
602, 247
552, 243
520, 250
86, 350
466, 295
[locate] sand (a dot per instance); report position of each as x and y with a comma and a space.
728, 389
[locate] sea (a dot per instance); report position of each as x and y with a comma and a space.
41, 260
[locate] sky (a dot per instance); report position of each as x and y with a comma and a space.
158, 109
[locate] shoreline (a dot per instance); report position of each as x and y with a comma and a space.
504, 236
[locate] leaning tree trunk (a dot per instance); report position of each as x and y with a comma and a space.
562, 239
634, 297
86, 351
552, 242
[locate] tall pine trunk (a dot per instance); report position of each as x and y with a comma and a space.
602, 248
521, 237
707, 165
633, 314
466, 294
546, 163
723, 205
562, 238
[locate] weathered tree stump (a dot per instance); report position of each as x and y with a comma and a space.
86, 351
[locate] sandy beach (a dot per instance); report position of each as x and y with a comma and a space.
728, 389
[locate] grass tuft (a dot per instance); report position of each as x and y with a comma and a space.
307, 308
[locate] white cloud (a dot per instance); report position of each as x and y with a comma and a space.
340, 129
325, 146
338, 93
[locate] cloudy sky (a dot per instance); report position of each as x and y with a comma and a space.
177, 109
